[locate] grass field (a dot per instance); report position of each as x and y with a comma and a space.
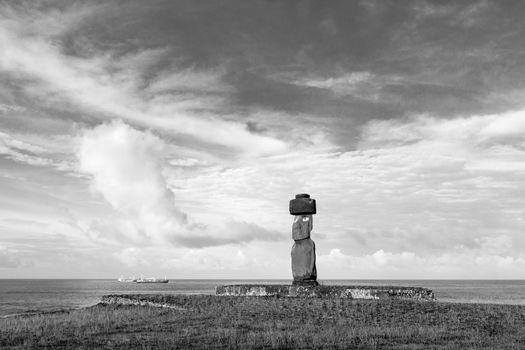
236, 322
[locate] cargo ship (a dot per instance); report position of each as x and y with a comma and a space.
127, 279
152, 280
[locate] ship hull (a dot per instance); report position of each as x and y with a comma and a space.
160, 281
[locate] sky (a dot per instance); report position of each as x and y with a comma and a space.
167, 138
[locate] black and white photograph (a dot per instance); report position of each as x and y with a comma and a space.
262, 174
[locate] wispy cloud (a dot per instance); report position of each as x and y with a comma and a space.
105, 85
466, 15
346, 84
31, 154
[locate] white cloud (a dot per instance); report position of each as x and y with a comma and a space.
185, 162
510, 124
125, 165
127, 169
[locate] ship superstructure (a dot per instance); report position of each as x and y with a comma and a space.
127, 279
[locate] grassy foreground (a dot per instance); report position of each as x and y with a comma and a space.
237, 322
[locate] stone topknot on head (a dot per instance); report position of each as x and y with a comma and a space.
302, 205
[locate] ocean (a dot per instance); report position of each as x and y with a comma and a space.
23, 296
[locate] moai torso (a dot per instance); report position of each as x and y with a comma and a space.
304, 270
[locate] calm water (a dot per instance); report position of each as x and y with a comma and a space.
26, 296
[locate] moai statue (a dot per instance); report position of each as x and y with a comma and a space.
303, 251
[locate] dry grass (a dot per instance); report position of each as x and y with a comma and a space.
237, 322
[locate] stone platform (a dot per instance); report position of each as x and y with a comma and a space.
151, 300
323, 291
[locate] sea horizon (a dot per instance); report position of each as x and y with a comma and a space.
277, 279
27, 296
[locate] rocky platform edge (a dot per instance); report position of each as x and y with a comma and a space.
154, 300
347, 292
276, 290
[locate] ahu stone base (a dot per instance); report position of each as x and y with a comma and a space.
322, 291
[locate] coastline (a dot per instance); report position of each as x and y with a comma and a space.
24, 296
206, 321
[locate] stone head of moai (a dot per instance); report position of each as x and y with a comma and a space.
302, 207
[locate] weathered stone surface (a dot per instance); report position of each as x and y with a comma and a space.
348, 292
302, 206
139, 300
305, 283
303, 260
302, 226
